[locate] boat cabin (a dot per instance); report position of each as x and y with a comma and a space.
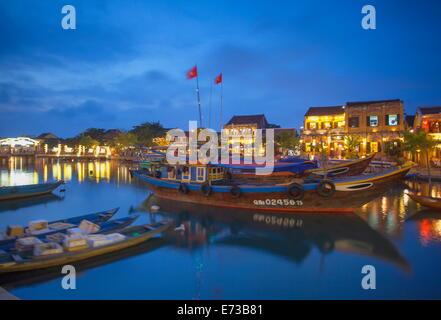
189, 173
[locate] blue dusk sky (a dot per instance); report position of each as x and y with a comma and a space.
126, 62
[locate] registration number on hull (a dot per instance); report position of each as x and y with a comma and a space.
278, 202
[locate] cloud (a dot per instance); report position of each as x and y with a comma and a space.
125, 64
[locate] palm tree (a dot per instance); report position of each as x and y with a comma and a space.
288, 141
419, 141
352, 143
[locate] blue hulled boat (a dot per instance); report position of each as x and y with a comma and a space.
30, 190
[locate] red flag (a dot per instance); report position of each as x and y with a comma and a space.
218, 79
192, 73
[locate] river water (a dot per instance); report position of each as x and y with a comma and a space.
223, 254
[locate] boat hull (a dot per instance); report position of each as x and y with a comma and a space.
69, 257
428, 202
97, 217
349, 195
16, 192
346, 169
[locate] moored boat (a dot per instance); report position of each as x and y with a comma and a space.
344, 169
287, 169
104, 227
30, 190
206, 185
27, 260
428, 202
97, 217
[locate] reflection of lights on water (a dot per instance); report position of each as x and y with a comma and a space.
15, 171
391, 222
373, 220
384, 205
67, 172
425, 231
436, 227
108, 171
45, 173
430, 230
56, 171
406, 198
80, 171
17, 178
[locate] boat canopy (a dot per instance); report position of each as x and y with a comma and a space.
298, 167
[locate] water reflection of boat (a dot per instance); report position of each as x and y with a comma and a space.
15, 204
30, 190
292, 237
16, 280
425, 214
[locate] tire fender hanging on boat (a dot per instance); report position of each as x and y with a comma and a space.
325, 188
183, 188
296, 191
235, 191
206, 189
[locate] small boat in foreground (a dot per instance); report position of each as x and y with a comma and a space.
10, 281
205, 184
27, 260
57, 225
428, 202
104, 227
30, 190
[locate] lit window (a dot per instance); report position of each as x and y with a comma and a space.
373, 121
326, 125
312, 125
392, 120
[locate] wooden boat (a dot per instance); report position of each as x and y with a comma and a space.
285, 170
25, 260
105, 227
205, 185
97, 217
428, 202
344, 169
14, 192
10, 281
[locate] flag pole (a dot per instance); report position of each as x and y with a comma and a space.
199, 100
209, 106
221, 105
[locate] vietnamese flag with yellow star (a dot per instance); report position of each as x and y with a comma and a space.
192, 73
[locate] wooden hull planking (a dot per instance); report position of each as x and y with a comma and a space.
347, 197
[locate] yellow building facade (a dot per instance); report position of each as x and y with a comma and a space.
371, 123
